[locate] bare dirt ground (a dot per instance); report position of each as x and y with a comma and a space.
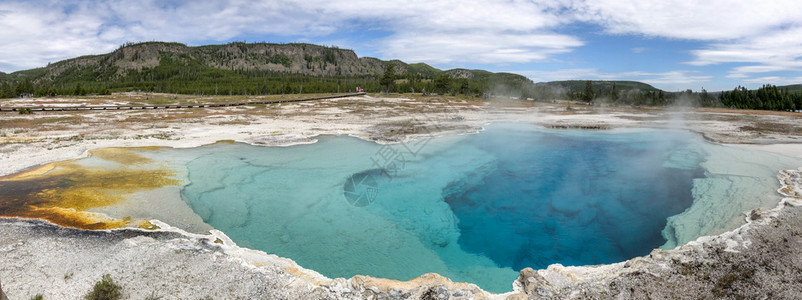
63, 263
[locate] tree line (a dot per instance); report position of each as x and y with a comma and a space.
190, 77
767, 97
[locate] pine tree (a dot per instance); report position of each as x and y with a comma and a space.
388, 79
588, 95
79, 90
615, 94
442, 83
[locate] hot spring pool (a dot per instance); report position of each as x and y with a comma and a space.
475, 208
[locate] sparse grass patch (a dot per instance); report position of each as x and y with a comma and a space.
724, 284
36, 122
153, 296
162, 100
772, 127
37, 297
432, 98
105, 289
232, 122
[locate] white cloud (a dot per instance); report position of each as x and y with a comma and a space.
719, 20
680, 78
638, 50
773, 48
460, 31
774, 52
762, 38
34, 35
477, 47
775, 80
765, 36
436, 31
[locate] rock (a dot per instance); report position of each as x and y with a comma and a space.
435, 293
756, 214
532, 284
2, 294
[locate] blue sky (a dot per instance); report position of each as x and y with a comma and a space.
672, 44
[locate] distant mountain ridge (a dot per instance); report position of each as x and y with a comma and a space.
246, 68
293, 58
262, 68
579, 85
175, 67
791, 87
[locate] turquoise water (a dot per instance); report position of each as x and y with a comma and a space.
475, 208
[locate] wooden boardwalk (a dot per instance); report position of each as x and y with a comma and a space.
165, 106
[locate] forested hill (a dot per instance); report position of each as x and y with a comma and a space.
598, 85
263, 68
767, 97
303, 59
619, 92
793, 88
244, 68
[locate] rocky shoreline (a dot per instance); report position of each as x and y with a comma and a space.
758, 259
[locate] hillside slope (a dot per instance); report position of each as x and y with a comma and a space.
243, 68
578, 86
290, 58
791, 88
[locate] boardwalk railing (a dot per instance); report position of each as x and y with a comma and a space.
165, 106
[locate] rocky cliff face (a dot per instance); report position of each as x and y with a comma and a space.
460, 73
303, 59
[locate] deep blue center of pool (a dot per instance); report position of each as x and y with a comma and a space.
474, 208
570, 199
